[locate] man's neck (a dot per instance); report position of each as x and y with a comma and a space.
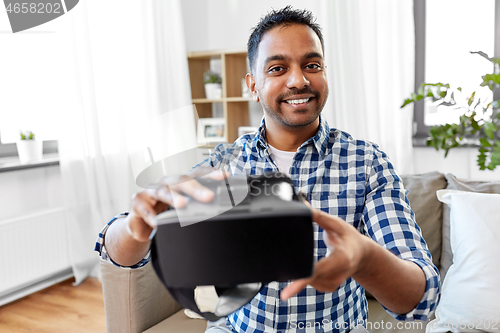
286, 138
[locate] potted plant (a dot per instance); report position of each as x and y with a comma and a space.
29, 149
478, 125
213, 85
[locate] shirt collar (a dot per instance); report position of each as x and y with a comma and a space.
319, 140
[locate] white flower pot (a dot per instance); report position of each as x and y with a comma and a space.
213, 90
29, 150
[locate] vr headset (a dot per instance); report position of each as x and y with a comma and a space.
256, 230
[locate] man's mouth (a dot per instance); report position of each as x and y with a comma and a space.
298, 101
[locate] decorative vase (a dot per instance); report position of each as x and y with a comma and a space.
29, 150
213, 90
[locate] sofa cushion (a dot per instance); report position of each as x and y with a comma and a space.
179, 322
134, 299
427, 208
380, 321
470, 291
461, 185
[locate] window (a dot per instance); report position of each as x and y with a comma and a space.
37, 81
445, 32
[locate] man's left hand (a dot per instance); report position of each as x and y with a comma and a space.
349, 251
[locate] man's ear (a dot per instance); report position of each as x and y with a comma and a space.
251, 85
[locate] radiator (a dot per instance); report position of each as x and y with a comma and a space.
33, 253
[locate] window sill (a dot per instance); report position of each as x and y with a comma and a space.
420, 141
13, 163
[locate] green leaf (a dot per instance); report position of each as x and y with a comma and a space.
496, 61
471, 98
494, 161
474, 124
489, 129
406, 102
484, 142
496, 146
443, 93
481, 159
420, 90
490, 80
495, 157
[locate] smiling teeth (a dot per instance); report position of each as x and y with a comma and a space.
298, 101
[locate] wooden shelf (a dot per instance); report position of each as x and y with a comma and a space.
204, 100
234, 68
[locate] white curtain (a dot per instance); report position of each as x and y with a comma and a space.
369, 51
130, 63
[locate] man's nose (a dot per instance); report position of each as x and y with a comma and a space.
296, 78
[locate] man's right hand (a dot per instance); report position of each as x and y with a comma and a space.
127, 241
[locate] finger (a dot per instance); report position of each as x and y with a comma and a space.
328, 222
159, 193
195, 190
143, 210
167, 195
215, 174
201, 172
294, 288
188, 186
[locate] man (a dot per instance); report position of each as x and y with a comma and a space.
344, 179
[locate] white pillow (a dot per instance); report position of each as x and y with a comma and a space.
470, 294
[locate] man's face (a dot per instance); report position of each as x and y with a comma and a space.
289, 78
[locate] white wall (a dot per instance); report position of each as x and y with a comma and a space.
226, 24
195, 21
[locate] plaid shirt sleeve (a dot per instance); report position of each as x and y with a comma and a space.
390, 221
213, 161
99, 246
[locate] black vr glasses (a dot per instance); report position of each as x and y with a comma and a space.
256, 230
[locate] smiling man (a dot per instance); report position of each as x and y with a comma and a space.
359, 202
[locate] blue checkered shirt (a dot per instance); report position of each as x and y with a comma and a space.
344, 177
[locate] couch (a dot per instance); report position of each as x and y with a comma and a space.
135, 300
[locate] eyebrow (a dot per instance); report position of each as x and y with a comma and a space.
276, 57
313, 55
283, 58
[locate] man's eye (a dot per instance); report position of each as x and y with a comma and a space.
313, 66
276, 69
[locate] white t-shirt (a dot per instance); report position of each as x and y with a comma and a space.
283, 159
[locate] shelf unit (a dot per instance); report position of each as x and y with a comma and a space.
234, 68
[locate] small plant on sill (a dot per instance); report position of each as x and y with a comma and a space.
28, 135
211, 77
479, 123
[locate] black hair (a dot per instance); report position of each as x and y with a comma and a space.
276, 18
